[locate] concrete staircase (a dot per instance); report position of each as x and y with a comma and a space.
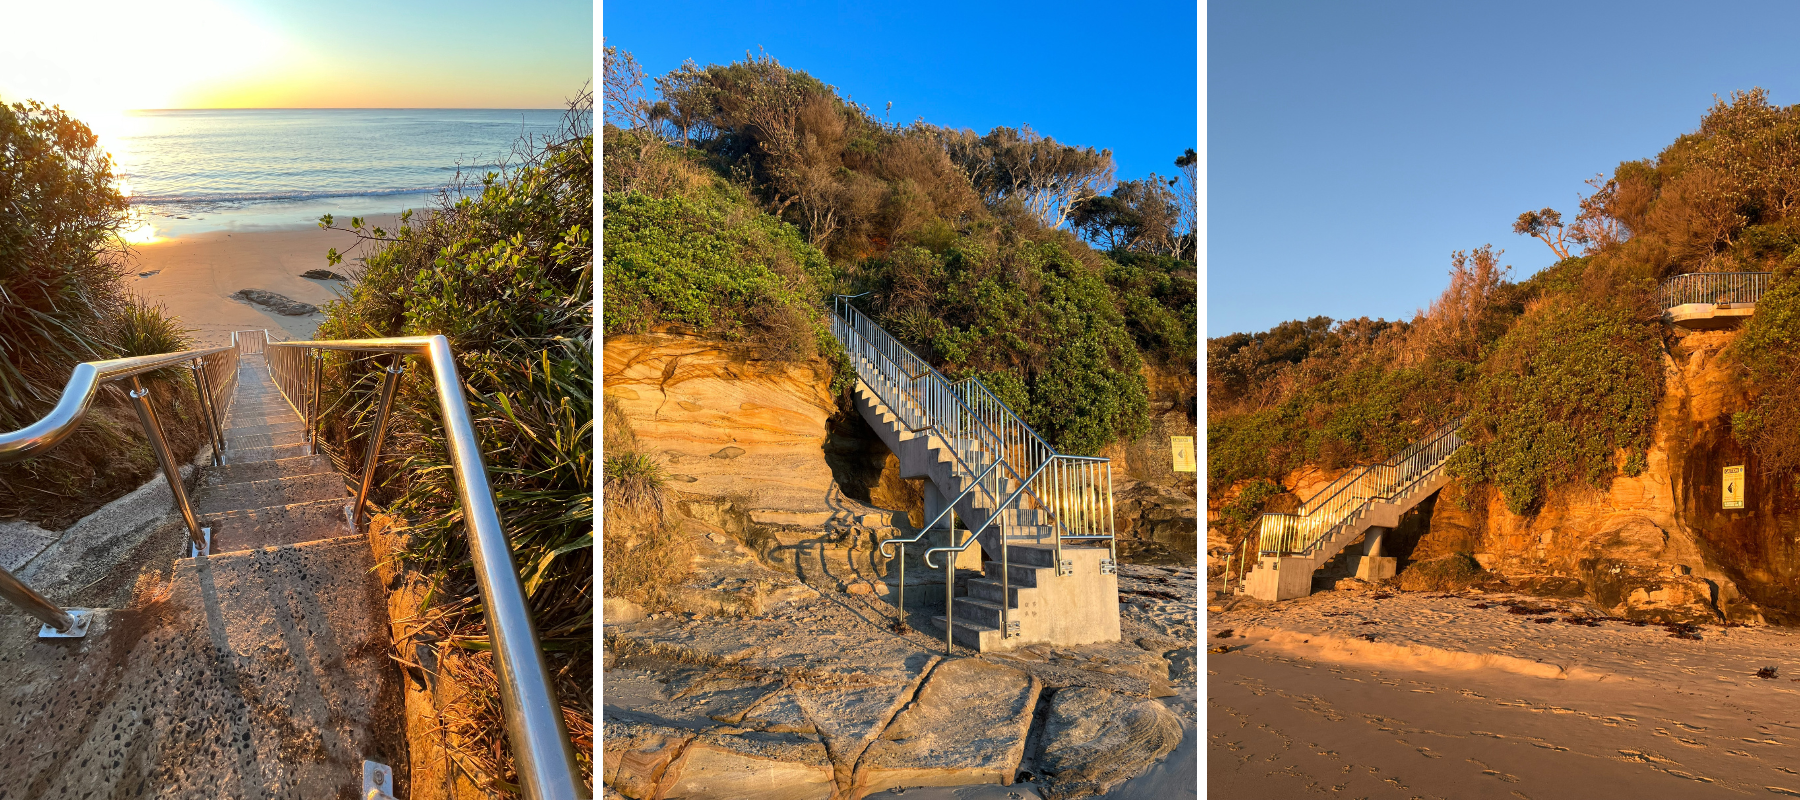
1076, 602
260, 670
1357, 507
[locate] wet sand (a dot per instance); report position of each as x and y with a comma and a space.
196, 275
1453, 701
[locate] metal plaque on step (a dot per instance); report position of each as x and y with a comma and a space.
1065, 567
1012, 629
1107, 567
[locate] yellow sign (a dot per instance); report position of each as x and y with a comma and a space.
1184, 453
1734, 487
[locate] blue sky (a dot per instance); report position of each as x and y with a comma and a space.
1120, 76
1352, 147
134, 54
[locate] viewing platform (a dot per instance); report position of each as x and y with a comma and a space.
1711, 301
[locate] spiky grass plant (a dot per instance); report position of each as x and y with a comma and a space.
504, 269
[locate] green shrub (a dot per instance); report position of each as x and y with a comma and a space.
1028, 309
634, 481
59, 272
61, 303
1767, 356
506, 273
1567, 388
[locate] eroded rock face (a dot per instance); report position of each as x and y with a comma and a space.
726, 424
1094, 739
1156, 509
1658, 545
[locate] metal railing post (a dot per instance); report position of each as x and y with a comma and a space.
950, 589
900, 623
214, 433
389, 384
72, 622
312, 412
171, 469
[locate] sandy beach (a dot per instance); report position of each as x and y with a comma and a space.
1381, 695
196, 276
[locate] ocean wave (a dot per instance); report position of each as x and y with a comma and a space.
259, 197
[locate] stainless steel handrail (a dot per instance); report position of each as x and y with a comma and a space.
65, 418
1005, 567
950, 509
542, 751
1073, 490
1350, 497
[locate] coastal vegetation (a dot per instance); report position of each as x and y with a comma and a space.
741, 197
503, 267
1557, 376
63, 301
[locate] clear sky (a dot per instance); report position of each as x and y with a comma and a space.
1353, 146
100, 57
1120, 76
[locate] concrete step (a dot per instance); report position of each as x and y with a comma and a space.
252, 528
260, 675
221, 498
251, 454
978, 611
274, 427
1031, 555
245, 472
244, 441
990, 590
975, 636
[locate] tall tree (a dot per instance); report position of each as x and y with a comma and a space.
1046, 177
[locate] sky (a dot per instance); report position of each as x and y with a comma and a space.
1120, 77
116, 55
1353, 147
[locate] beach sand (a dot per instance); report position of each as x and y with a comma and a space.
1429, 696
196, 276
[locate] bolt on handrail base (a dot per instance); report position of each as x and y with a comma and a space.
78, 627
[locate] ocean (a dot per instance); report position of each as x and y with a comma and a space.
189, 171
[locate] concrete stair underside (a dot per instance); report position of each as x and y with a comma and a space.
1077, 608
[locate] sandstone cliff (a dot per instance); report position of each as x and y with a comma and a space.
727, 424
1657, 545
1156, 509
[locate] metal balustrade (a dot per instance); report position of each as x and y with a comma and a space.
214, 372
1072, 495
1347, 498
542, 751
1714, 288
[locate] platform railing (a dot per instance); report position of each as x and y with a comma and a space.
214, 373
542, 751
1714, 288
1344, 500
